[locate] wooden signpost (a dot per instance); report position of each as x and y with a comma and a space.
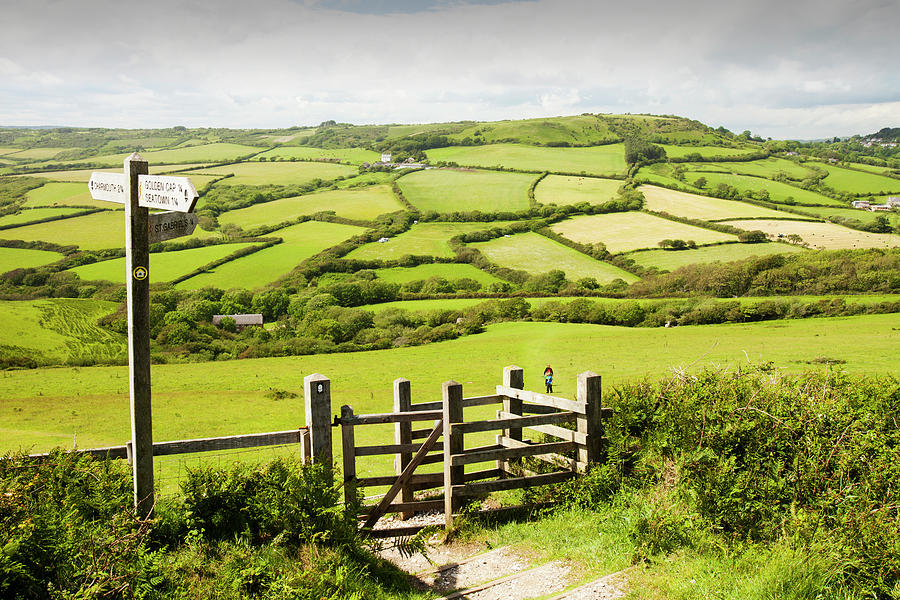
139, 192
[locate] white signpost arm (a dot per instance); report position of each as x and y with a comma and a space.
137, 277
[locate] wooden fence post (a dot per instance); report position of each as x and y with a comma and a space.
317, 393
348, 446
403, 435
513, 377
453, 444
590, 424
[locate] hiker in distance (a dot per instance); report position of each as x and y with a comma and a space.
548, 379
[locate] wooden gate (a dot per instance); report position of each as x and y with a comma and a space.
570, 451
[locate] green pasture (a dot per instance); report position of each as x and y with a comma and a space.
63, 194
535, 253
624, 232
705, 151
569, 189
663, 174
265, 266
858, 182
826, 236
693, 206
580, 129
29, 215
865, 216
355, 156
34, 153
873, 168
82, 175
201, 153
25, 258
164, 266
45, 408
91, 232
465, 190
281, 173
176, 169
57, 329
597, 160
446, 270
767, 167
361, 204
148, 142
779, 192
365, 179
425, 239
669, 260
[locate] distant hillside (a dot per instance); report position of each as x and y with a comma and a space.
888, 134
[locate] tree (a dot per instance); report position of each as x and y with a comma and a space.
752, 237
700, 182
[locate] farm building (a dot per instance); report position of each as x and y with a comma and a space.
893, 201
248, 320
864, 204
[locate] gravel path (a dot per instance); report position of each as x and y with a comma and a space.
606, 588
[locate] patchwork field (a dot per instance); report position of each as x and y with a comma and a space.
25, 258
363, 204
767, 167
822, 235
624, 232
63, 194
34, 153
91, 232
464, 190
355, 156
705, 151
857, 182
201, 153
164, 266
864, 216
287, 173
263, 267
30, 215
82, 175
669, 260
535, 253
448, 271
693, 206
597, 160
580, 129
780, 193
425, 239
569, 189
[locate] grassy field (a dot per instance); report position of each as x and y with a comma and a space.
355, 156
25, 258
35, 153
535, 253
263, 267
870, 168
63, 194
669, 260
57, 329
201, 153
778, 192
827, 236
857, 182
865, 216
598, 160
580, 129
624, 232
464, 190
568, 189
767, 167
286, 173
90, 232
426, 239
362, 204
693, 206
36, 214
705, 151
44, 408
445, 270
164, 266
81, 175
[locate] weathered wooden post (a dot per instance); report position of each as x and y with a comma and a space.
590, 423
453, 444
513, 377
348, 447
403, 435
317, 393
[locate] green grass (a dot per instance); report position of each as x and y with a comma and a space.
164, 266
826, 236
82, 175
580, 129
535, 253
705, 151
263, 267
778, 192
693, 206
857, 182
361, 204
426, 239
598, 160
669, 260
624, 232
462, 190
355, 156
36, 214
866, 216
63, 194
865, 167
282, 173
447, 271
58, 329
90, 232
568, 189
43, 408
201, 153
767, 167
35, 153
25, 258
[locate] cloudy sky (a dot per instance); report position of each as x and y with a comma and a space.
783, 69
